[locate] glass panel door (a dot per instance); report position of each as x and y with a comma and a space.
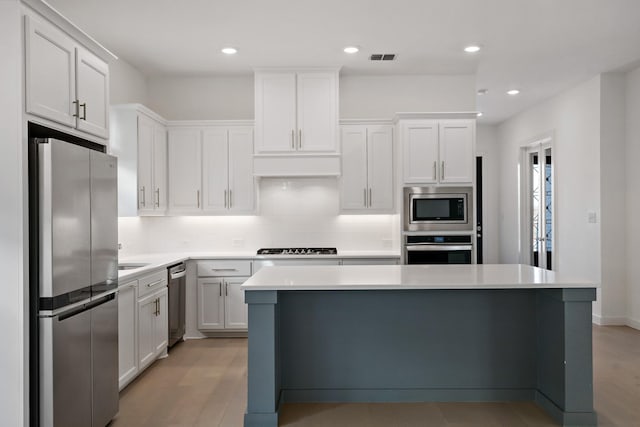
540, 206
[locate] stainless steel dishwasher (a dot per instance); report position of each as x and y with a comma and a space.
177, 285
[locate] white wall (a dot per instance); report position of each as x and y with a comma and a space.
294, 212
373, 97
574, 118
231, 97
488, 147
126, 84
13, 258
633, 196
612, 197
202, 98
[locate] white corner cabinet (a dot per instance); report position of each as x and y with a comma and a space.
296, 111
220, 300
367, 180
437, 151
142, 324
64, 82
211, 169
139, 140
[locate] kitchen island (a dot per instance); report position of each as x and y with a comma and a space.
416, 333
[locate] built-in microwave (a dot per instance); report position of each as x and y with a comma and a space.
438, 208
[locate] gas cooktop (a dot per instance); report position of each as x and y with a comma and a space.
297, 251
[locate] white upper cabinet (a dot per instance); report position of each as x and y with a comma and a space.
64, 82
139, 140
211, 170
152, 166
438, 151
296, 111
185, 170
456, 151
367, 169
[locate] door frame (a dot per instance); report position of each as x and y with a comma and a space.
538, 144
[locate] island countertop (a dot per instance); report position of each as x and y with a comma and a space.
380, 277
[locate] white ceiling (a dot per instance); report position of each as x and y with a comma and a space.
538, 46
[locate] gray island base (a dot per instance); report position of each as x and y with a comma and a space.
419, 334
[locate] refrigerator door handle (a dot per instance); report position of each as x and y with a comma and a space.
88, 306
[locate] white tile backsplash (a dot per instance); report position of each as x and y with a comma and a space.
292, 212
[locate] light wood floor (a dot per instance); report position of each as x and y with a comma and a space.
204, 383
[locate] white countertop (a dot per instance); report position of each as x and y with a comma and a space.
371, 277
163, 260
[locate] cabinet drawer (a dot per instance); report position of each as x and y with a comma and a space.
224, 268
152, 283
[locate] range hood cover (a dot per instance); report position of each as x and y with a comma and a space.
284, 165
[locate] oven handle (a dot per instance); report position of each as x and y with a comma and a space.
438, 248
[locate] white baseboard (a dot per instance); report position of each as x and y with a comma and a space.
609, 320
633, 323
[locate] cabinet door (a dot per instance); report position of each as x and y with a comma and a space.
127, 333
235, 309
275, 97
50, 72
317, 111
456, 151
353, 183
380, 168
420, 146
92, 85
161, 323
210, 303
160, 167
215, 170
241, 180
147, 313
185, 170
145, 164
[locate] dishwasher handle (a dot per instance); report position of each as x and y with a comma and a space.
177, 274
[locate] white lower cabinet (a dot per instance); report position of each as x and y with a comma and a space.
142, 324
127, 333
152, 327
221, 303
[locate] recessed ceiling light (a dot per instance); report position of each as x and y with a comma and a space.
479, 114
513, 92
351, 49
483, 91
229, 50
472, 49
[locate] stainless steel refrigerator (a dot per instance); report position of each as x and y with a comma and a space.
74, 271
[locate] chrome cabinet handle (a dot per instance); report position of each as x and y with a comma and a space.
220, 288
435, 175
157, 197
77, 113
442, 171
299, 138
370, 197
84, 111
224, 269
152, 284
230, 199
198, 197
143, 202
226, 289
225, 198
293, 146
365, 197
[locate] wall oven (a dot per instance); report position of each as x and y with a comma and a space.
430, 249
438, 208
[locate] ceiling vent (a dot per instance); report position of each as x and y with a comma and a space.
383, 57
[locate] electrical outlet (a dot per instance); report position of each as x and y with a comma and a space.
592, 218
119, 246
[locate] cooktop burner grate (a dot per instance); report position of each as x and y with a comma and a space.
297, 251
